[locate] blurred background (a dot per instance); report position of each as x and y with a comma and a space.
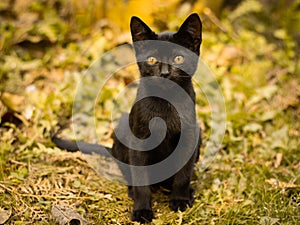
46, 39
25, 22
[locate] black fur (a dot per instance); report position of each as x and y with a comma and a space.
182, 195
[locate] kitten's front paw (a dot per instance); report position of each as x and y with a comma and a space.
182, 204
142, 216
179, 204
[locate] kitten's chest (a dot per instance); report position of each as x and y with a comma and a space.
147, 109
159, 107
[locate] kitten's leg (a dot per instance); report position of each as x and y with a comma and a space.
142, 211
121, 153
182, 194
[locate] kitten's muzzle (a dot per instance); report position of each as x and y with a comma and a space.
165, 70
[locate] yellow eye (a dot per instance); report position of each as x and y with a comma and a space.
179, 59
151, 60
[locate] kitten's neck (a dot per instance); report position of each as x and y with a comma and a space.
146, 89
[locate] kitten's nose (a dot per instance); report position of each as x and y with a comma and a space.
165, 70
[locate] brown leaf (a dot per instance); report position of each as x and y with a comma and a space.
4, 215
279, 157
280, 184
64, 215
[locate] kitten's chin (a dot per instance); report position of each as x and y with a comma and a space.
167, 76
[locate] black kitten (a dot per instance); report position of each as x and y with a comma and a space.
169, 60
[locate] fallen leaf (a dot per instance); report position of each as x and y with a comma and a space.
252, 127
263, 93
266, 220
64, 215
280, 184
12, 101
268, 115
5, 214
279, 138
278, 160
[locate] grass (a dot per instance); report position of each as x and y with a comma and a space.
253, 179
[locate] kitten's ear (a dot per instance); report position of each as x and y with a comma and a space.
140, 31
192, 28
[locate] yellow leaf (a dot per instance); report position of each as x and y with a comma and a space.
12, 101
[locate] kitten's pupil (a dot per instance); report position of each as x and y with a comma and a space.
179, 59
151, 60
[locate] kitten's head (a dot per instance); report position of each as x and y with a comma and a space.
172, 55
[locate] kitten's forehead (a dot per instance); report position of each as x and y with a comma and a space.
166, 36
161, 48
174, 43
164, 48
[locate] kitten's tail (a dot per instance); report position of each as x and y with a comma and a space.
84, 147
